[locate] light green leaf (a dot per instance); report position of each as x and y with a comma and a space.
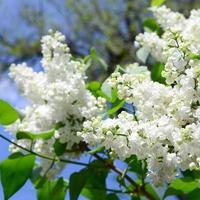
93, 85
106, 89
8, 114
54, 190
142, 54
119, 104
181, 186
15, 171
157, 2
97, 150
195, 56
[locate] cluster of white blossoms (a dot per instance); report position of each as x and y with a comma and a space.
165, 127
58, 97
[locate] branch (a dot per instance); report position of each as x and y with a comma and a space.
43, 156
138, 188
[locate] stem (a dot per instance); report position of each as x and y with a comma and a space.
138, 188
43, 156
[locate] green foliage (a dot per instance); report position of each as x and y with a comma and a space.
195, 56
151, 191
112, 196
156, 73
42, 135
94, 87
59, 148
181, 186
54, 190
157, 2
109, 92
142, 54
15, 171
94, 58
8, 114
137, 166
90, 182
33, 136
97, 150
76, 183
151, 25
118, 104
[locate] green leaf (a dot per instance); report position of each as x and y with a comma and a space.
152, 25
119, 104
137, 166
33, 136
8, 114
142, 54
97, 150
76, 183
195, 56
108, 92
94, 86
157, 2
112, 196
181, 186
151, 191
59, 148
156, 73
95, 187
194, 195
15, 171
90, 182
54, 190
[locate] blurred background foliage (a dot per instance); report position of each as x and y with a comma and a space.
109, 26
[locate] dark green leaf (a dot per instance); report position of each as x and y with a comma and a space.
112, 197
90, 182
137, 166
54, 190
194, 195
156, 73
59, 148
8, 114
76, 183
152, 25
181, 186
33, 136
151, 191
14, 172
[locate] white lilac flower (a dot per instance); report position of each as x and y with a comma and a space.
57, 95
166, 129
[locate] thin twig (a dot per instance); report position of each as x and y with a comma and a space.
43, 156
